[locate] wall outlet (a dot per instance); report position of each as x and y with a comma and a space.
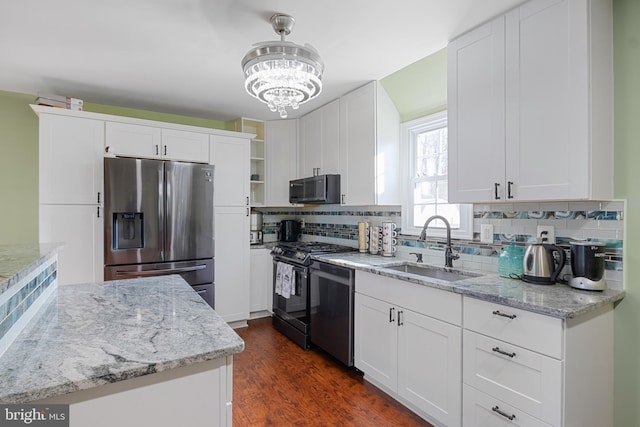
546, 234
486, 233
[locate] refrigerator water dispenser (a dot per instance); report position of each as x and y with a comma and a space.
128, 230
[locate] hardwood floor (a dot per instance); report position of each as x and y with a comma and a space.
276, 383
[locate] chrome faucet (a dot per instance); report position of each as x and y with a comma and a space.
449, 256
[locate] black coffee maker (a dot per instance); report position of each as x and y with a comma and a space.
289, 230
587, 265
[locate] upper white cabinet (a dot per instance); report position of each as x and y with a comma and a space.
70, 160
230, 157
132, 140
319, 141
369, 147
530, 105
282, 154
71, 193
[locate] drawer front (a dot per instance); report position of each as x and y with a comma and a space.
536, 332
522, 378
436, 303
481, 410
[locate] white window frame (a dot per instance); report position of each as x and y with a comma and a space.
407, 130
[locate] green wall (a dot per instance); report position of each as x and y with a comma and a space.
419, 89
18, 169
627, 180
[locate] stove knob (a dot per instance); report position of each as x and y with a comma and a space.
300, 255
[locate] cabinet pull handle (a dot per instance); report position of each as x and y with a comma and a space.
98, 197
509, 185
165, 150
400, 321
98, 211
391, 318
247, 200
498, 350
496, 187
247, 211
157, 150
504, 414
106, 149
509, 316
342, 196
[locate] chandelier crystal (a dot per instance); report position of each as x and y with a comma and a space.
283, 74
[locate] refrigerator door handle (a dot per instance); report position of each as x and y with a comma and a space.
161, 271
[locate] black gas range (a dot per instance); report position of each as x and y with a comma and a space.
291, 295
300, 253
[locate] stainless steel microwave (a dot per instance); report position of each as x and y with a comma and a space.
319, 189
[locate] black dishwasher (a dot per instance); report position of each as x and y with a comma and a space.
331, 306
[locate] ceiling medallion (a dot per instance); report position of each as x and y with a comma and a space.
282, 74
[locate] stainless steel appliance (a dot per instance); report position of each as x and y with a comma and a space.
318, 189
159, 221
540, 265
255, 236
289, 230
291, 315
331, 300
587, 265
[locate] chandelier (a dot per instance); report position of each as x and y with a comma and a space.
282, 74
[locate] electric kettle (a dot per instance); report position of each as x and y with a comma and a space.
540, 265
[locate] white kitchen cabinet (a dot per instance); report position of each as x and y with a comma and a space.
232, 258
261, 282
70, 160
536, 369
185, 146
71, 193
133, 140
282, 159
319, 141
230, 157
408, 342
369, 147
79, 228
530, 105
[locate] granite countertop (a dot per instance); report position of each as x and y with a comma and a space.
557, 300
92, 334
18, 260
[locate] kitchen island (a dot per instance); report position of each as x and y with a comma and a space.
145, 351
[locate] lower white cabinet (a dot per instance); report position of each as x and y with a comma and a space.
79, 228
231, 261
481, 410
414, 357
527, 369
261, 281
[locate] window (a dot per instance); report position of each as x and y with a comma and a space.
425, 144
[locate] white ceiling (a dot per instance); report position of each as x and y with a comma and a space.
183, 56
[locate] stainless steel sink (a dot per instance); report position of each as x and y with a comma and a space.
433, 272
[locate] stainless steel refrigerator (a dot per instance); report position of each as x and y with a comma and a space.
159, 221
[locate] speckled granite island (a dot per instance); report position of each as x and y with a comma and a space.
143, 351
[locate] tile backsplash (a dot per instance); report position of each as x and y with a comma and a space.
598, 221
